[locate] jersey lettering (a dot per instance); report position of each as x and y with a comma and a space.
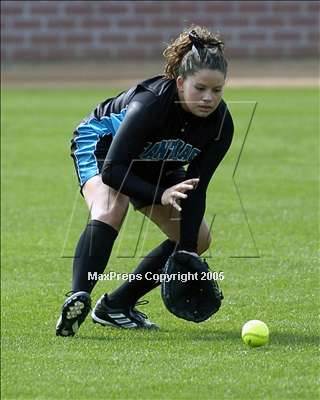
173, 150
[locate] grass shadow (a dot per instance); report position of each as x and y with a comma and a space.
293, 339
197, 335
184, 335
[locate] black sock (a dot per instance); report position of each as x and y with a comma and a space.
129, 292
92, 254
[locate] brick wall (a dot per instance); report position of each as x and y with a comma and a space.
55, 30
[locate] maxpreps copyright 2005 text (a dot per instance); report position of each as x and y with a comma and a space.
190, 276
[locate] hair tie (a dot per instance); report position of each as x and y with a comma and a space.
199, 43
196, 40
219, 44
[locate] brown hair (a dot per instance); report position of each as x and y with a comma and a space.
194, 49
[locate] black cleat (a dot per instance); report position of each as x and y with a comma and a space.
127, 318
74, 311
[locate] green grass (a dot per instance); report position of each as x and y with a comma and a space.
42, 216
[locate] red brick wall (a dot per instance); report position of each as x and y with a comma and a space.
55, 30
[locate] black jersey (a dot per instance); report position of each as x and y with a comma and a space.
156, 136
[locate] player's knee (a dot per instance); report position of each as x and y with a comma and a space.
204, 243
112, 215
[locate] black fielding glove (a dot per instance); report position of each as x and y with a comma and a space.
196, 299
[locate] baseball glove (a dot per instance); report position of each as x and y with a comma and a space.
194, 299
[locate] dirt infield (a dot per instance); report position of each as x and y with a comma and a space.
242, 73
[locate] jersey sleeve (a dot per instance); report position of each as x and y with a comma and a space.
203, 167
141, 118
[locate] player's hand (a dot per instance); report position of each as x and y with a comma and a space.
173, 194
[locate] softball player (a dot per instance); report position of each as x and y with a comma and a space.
157, 146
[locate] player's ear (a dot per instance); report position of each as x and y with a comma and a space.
180, 82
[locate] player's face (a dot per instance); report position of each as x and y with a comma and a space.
201, 92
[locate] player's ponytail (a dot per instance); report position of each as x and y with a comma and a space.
194, 49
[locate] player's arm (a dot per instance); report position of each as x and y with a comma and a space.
203, 167
141, 119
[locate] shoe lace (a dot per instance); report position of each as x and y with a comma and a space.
140, 303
